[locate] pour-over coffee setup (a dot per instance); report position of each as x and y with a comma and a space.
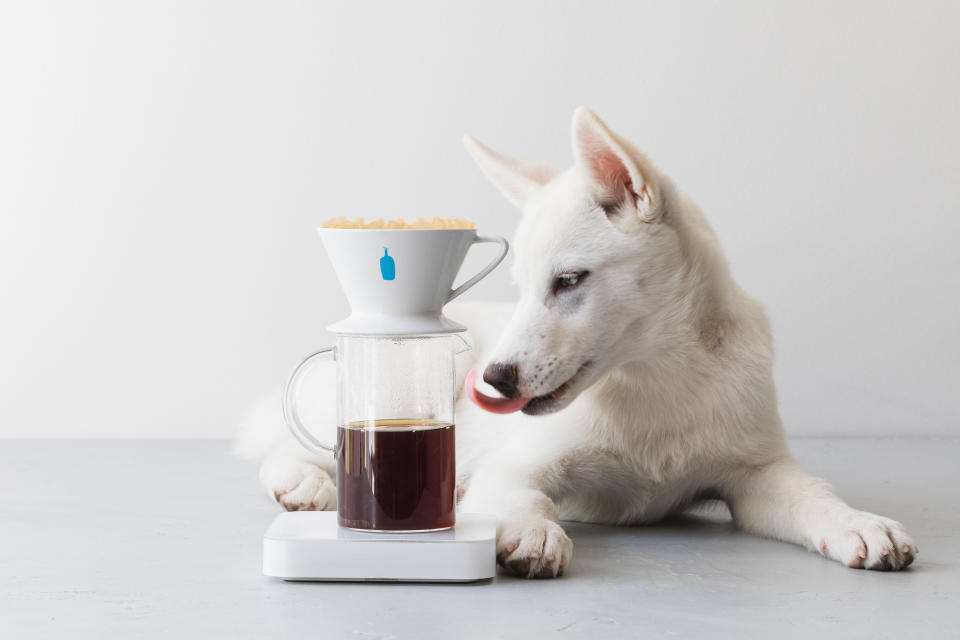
395, 395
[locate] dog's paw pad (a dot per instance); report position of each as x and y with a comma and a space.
306, 487
868, 541
533, 547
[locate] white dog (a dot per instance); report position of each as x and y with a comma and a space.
645, 374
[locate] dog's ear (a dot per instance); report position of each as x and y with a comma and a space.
517, 180
617, 178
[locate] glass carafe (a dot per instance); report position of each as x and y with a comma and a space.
396, 468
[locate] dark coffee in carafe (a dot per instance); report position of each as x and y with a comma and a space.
396, 475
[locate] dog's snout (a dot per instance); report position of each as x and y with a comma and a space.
503, 377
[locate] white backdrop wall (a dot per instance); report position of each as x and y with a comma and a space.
164, 164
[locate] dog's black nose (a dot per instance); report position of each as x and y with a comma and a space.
502, 377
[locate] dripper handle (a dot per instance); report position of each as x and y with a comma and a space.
291, 391
504, 247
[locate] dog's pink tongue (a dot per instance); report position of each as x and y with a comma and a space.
491, 404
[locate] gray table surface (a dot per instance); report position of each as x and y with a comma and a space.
105, 539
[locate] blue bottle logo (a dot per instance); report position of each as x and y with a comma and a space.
388, 268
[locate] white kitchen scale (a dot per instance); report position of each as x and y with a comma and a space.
311, 546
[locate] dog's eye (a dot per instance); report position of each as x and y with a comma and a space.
567, 281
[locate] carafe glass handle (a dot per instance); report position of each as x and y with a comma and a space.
291, 391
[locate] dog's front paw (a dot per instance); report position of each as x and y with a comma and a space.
533, 547
302, 487
867, 541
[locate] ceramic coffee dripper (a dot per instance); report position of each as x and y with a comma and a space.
397, 280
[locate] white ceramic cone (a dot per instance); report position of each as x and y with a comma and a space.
397, 280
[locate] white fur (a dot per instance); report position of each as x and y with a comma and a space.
672, 397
